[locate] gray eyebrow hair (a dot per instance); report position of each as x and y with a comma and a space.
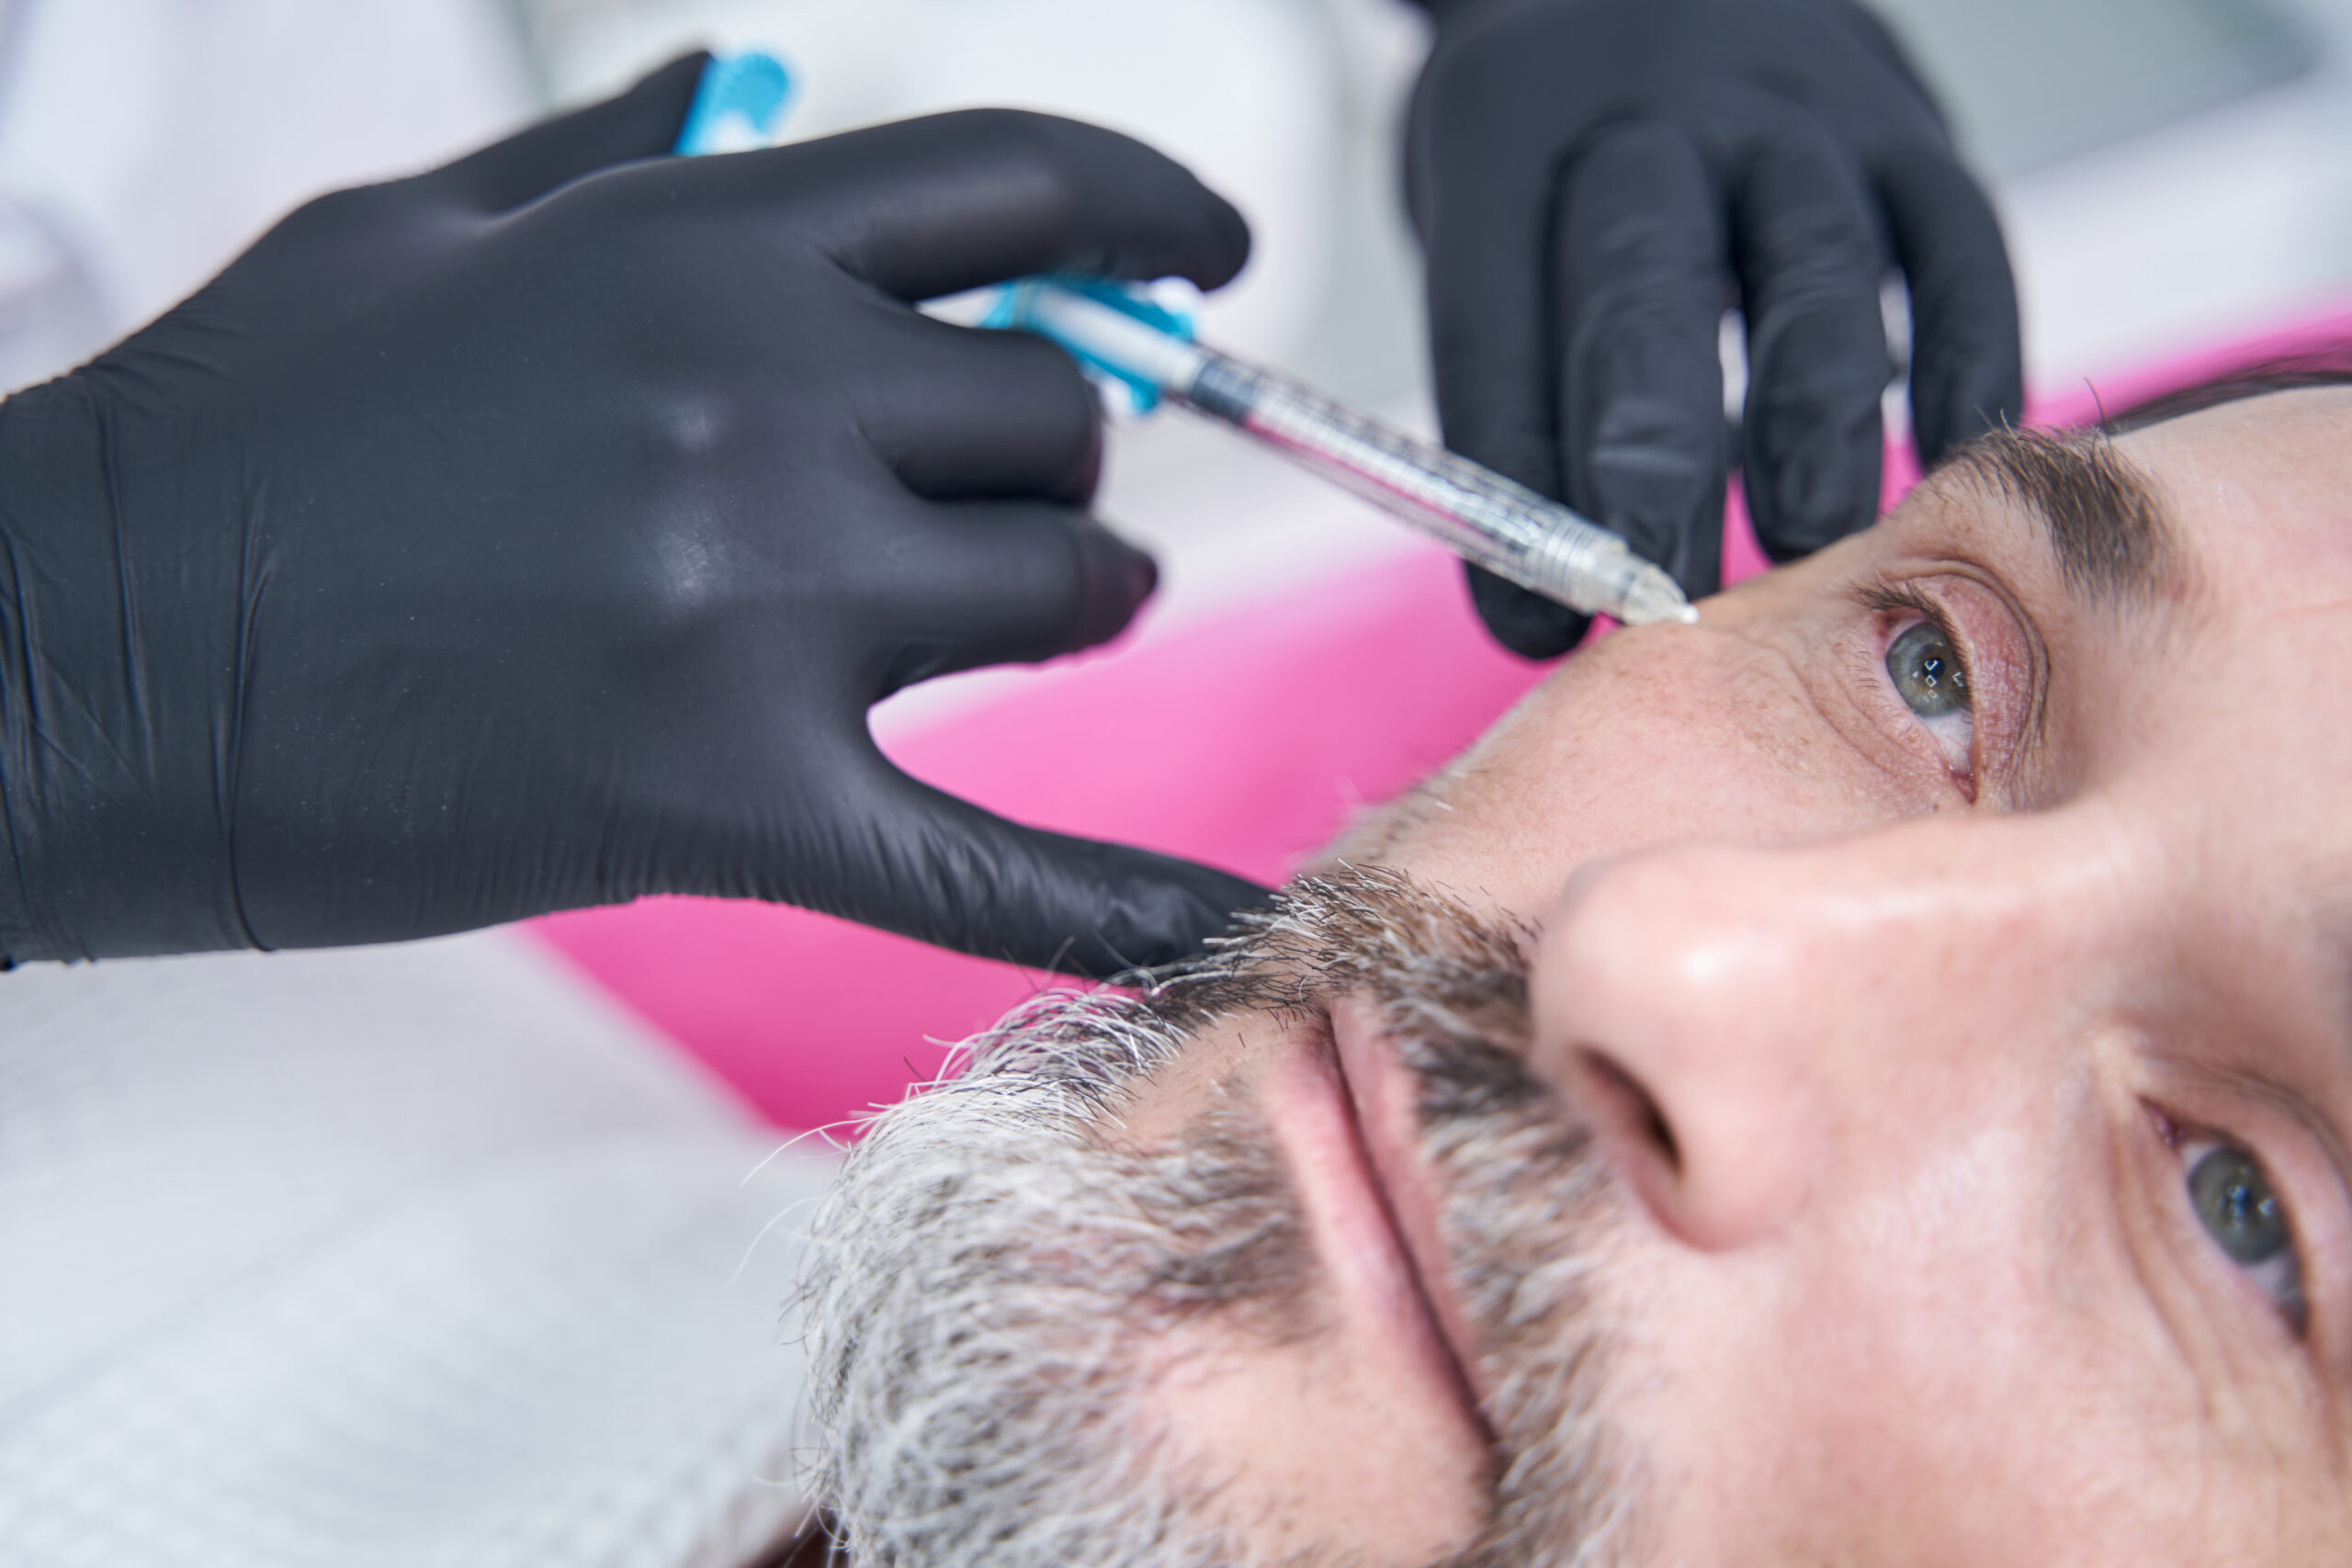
2114, 539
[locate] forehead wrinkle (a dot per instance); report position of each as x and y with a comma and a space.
2113, 537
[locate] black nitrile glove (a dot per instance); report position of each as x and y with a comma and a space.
536, 533
1595, 181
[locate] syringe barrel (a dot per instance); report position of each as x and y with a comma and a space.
1505, 528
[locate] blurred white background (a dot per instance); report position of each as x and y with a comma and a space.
2169, 169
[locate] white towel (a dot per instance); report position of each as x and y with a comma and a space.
419, 1254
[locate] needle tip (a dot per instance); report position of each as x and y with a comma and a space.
1652, 597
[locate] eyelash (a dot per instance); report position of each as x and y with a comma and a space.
1889, 598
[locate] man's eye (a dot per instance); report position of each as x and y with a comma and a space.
2236, 1207
2234, 1202
1927, 672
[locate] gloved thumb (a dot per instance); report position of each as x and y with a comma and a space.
643, 122
923, 863
1523, 621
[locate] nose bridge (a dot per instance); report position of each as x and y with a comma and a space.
1763, 1008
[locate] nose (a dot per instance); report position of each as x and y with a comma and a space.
1736, 1019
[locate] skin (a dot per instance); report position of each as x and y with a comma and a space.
1900, 1065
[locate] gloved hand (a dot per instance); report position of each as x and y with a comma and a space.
536, 533
1595, 181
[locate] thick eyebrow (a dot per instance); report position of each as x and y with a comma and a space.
2114, 539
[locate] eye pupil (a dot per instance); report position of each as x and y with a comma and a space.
1927, 672
2237, 1206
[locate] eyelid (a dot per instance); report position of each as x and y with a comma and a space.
2000, 654
2182, 1137
1890, 596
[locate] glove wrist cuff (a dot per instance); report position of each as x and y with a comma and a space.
104, 849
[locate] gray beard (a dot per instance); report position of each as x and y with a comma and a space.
989, 1271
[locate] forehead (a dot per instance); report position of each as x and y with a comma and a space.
2260, 493
2218, 684
2191, 582
2204, 712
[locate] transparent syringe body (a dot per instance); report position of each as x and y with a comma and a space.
1482, 516
1505, 528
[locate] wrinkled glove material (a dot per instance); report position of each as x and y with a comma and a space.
536, 533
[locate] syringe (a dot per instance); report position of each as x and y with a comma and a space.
1477, 514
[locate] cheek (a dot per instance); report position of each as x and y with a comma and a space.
1649, 738
1954, 1327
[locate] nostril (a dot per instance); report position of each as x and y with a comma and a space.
1619, 1096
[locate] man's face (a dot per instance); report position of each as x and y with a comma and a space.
1866, 1078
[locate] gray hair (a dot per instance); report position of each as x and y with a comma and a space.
989, 1273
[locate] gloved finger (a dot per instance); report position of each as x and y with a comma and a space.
944, 871
1967, 366
929, 206
1809, 264
1525, 622
1484, 230
973, 414
643, 122
1485, 226
1639, 280
1004, 582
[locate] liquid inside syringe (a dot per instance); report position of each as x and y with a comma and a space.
1482, 516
